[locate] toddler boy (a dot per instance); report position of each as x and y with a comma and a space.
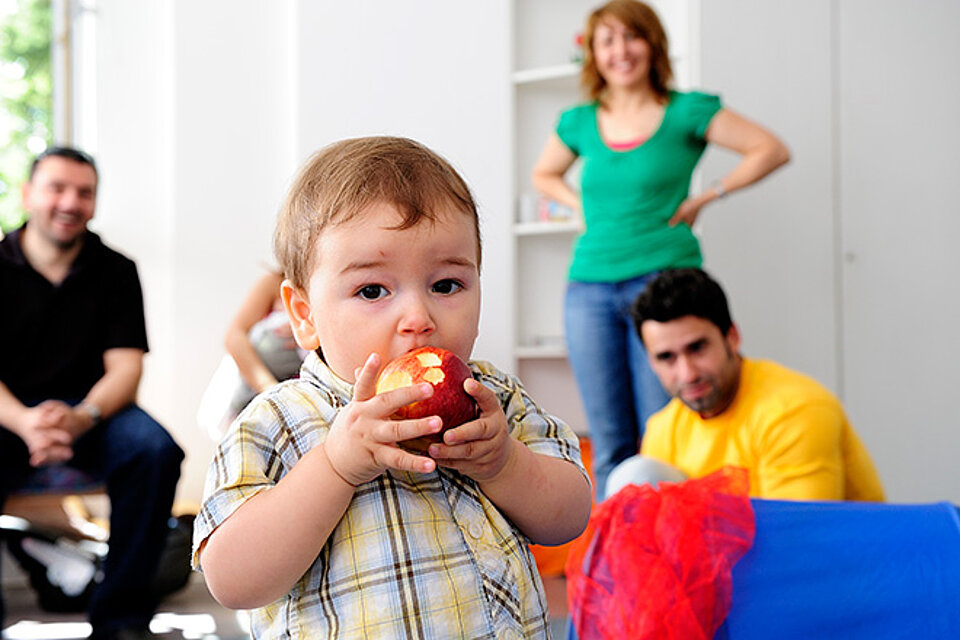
312, 515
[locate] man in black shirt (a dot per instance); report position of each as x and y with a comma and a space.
72, 341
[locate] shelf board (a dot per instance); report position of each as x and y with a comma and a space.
545, 74
545, 228
545, 351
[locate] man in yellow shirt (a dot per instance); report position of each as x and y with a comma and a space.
786, 429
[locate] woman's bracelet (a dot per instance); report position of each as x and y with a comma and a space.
718, 188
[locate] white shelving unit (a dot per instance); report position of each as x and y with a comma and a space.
547, 351
544, 81
546, 74
545, 228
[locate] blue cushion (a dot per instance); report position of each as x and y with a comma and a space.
848, 570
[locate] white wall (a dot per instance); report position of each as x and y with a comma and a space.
195, 142
205, 110
204, 113
899, 162
843, 265
435, 71
772, 246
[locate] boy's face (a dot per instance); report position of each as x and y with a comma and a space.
377, 289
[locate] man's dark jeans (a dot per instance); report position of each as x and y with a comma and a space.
140, 464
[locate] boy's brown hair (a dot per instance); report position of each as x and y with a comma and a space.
344, 178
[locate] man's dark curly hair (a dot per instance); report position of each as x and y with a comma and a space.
682, 292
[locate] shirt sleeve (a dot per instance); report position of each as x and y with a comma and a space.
261, 445
125, 326
700, 109
235, 475
801, 455
538, 430
569, 128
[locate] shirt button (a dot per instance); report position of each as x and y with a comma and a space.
476, 530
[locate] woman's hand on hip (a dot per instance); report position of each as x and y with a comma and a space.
688, 211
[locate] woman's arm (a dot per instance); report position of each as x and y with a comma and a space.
548, 172
762, 153
259, 303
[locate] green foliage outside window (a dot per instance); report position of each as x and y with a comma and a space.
26, 99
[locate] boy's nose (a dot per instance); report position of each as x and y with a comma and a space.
416, 318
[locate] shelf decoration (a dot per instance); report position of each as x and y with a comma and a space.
533, 208
576, 55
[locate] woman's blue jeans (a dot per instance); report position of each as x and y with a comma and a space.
618, 388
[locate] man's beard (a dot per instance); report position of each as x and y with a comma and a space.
721, 392
707, 402
65, 245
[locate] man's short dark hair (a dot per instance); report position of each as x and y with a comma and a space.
682, 292
65, 152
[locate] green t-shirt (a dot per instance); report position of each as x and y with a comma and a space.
629, 196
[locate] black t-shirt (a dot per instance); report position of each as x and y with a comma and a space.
52, 337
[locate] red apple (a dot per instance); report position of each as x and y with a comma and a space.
446, 372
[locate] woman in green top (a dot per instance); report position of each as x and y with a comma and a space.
640, 142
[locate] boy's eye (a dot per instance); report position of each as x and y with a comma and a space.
372, 292
447, 287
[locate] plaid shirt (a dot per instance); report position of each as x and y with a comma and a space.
415, 555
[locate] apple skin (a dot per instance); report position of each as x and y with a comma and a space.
446, 372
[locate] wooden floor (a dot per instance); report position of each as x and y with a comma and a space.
188, 614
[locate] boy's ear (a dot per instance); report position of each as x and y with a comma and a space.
298, 310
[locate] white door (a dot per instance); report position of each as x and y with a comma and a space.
845, 265
899, 69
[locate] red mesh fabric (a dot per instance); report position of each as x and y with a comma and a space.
654, 564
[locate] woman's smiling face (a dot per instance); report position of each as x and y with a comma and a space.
622, 57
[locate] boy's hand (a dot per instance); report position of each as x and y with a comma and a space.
481, 448
362, 442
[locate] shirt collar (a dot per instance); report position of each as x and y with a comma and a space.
322, 375
89, 252
11, 248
